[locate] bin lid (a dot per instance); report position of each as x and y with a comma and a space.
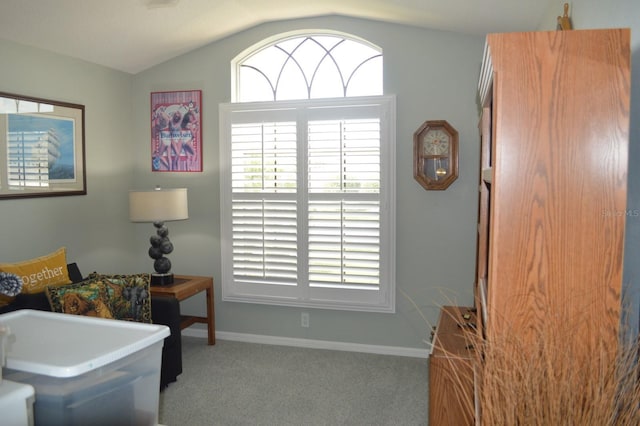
63, 345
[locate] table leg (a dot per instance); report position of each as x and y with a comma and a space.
211, 319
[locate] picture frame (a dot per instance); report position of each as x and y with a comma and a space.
176, 131
42, 147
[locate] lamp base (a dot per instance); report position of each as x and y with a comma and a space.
161, 279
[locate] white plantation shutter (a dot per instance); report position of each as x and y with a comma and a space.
307, 212
263, 170
344, 156
265, 241
264, 157
344, 244
344, 233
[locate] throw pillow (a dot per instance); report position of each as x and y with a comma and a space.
84, 298
39, 273
129, 295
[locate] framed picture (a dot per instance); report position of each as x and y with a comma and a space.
176, 131
41, 147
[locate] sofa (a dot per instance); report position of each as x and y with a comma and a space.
164, 310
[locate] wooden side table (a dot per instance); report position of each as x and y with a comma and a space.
185, 286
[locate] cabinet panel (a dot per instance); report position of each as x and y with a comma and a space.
554, 133
558, 192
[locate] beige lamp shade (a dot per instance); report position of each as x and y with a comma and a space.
158, 205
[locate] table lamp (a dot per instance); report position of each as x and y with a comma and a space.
159, 206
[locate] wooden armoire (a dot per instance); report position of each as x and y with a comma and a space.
554, 136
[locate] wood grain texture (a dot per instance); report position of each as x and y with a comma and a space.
561, 118
555, 131
484, 202
451, 380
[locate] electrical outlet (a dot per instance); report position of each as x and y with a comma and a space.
304, 319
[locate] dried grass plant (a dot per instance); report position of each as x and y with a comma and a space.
553, 377
558, 375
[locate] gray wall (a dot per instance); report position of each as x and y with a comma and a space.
93, 228
434, 76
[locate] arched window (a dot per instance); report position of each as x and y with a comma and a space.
307, 159
309, 66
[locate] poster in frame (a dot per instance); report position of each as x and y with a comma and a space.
41, 147
176, 131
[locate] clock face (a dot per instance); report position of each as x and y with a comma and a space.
436, 142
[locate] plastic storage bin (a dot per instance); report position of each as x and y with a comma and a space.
86, 371
16, 403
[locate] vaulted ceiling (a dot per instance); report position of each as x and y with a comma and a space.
133, 35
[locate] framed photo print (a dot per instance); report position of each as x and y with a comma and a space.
41, 147
176, 131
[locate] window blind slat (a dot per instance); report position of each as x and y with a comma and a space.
344, 239
344, 155
264, 157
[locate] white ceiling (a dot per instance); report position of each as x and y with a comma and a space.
133, 35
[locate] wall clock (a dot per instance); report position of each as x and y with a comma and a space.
435, 154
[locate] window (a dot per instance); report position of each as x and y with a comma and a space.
308, 202
308, 66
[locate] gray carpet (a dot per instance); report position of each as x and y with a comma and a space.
234, 383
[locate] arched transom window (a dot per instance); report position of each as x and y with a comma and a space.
309, 67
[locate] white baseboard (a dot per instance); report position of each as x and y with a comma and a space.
309, 343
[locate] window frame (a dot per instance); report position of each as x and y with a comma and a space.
302, 295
